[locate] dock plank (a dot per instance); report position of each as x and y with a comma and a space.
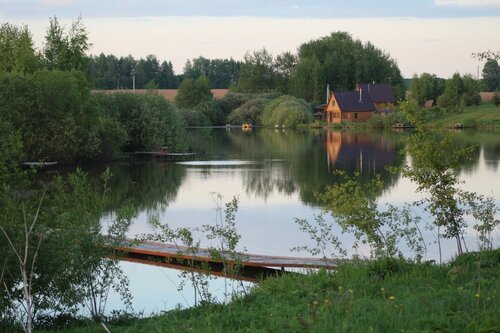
172, 251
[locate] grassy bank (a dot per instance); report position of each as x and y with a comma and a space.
380, 296
484, 115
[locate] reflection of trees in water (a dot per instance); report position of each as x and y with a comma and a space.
368, 153
488, 142
282, 153
149, 186
304, 160
492, 155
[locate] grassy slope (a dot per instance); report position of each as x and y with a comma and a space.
482, 115
381, 296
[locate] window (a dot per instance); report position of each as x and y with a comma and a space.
355, 115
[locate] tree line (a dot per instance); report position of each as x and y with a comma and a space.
47, 102
111, 72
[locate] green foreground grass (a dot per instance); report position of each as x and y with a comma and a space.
386, 295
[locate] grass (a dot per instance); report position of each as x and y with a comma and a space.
385, 295
484, 115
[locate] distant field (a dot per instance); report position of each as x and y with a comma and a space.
484, 115
168, 94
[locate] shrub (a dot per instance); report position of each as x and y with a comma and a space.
287, 111
496, 99
149, 120
113, 138
192, 117
212, 111
54, 112
250, 112
231, 101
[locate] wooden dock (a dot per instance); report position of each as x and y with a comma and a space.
167, 156
253, 266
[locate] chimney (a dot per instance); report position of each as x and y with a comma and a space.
361, 95
327, 93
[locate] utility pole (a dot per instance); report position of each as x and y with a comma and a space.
133, 80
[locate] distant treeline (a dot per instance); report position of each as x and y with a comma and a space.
337, 59
110, 72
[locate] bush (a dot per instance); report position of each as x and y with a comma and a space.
376, 121
231, 101
394, 118
250, 112
53, 111
212, 111
470, 123
113, 138
287, 111
149, 120
192, 117
496, 99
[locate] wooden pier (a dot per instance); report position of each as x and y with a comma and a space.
167, 156
253, 266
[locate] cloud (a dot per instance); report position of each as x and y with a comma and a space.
469, 3
58, 2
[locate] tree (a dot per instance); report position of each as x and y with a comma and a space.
167, 79
341, 61
287, 111
257, 72
17, 51
459, 92
52, 247
496, 99
426, 86
148, 120
193, 92
146, 70
285, 64
54, 113
487, 55
249, 113
434, 159
66, 50
491, 75
222, 73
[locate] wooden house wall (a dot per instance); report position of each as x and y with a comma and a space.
333, 114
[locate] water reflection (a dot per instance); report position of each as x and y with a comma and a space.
286, 169
150, 187
361, 152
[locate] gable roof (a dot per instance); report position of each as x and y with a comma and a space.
349, 101
379, 92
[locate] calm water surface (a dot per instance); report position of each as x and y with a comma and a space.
275, 175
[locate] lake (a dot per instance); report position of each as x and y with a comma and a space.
275, 175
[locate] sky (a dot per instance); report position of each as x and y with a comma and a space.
435, 36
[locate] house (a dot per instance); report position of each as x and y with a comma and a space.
381, 95
349, 106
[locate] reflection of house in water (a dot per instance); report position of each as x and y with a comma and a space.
361, 152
